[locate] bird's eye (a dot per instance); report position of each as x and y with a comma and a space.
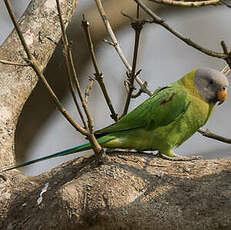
211, 82
224, 88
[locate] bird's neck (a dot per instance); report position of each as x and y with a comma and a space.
188, 82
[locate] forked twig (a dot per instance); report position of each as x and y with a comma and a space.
90, 128
72, 71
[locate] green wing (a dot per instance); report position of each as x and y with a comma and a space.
162, 108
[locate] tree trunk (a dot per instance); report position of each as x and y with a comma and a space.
126, 192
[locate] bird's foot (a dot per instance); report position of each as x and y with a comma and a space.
178, 158
111, 151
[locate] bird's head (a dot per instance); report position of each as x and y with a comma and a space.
212, 85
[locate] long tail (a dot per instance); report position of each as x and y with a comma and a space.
75, 149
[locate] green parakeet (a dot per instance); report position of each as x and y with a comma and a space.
165, 120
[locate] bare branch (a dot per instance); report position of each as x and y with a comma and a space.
73, 69
71, 86
160, 21
137, 25
90, 129
13, 63
70, 68
112, 35
187, 3
117, 46
211, 135
36, 67
98, 74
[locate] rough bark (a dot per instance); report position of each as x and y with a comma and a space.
126, 192
39, 22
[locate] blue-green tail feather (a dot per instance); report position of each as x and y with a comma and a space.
65, 152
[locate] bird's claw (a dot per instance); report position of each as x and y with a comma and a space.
179, 158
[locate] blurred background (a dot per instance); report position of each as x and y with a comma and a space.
163, 58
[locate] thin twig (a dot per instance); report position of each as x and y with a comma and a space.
13, 63
98, 74
112, 35
211, 135
90, 129
69, 67
71, 85
13, 18
160, 21
186, 3
73, 69
36, 67
117, 46
137, 25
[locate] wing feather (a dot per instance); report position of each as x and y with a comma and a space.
162, 108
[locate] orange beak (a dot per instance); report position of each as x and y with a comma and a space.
222, 94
